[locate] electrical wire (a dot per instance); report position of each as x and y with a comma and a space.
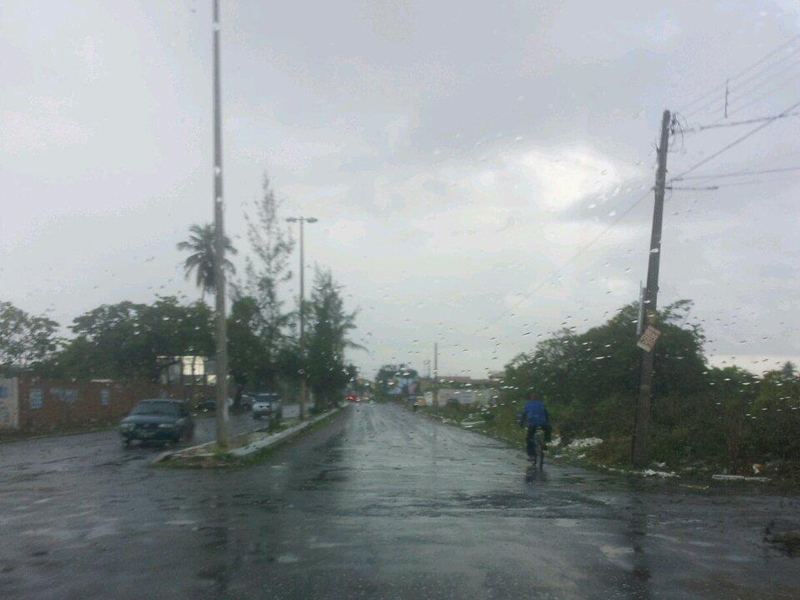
626, 212
568, 262
699, 128
735, 142
763, 96
687, 108
691, 188
738, 173
735, 184
736, 96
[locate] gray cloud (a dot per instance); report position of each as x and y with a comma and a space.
456, 153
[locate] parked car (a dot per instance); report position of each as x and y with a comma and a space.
247, 401
157, 419
268, 405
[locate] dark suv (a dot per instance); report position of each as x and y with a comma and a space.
157, 419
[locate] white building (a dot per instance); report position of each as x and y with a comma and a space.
463, 396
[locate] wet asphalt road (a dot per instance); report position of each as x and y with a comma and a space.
380, 503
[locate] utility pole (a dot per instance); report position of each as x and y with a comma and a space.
650, 303
640, 320
302, 342
436, 373
223, 434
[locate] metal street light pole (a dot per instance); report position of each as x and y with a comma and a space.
303, 392
223, 434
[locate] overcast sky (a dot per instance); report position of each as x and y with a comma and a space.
456, 154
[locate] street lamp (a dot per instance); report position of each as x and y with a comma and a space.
302, 221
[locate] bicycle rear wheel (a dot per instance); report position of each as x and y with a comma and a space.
538, 445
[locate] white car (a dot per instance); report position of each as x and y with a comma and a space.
267, 405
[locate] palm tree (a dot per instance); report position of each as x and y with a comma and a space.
201, 258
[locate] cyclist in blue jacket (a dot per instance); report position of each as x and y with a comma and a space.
534, 415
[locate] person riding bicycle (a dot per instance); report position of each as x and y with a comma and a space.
534, 415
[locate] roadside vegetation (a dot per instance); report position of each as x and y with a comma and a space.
705, 420
135, 341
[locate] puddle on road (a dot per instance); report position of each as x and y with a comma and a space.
288, 558
561, 522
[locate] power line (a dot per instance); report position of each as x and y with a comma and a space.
779, 49
735, 142
569, 261
742, 89
699, 128
627, 211
724, 185
762, 96
740, 93
691, 188
737, 95
735, 184
738, 173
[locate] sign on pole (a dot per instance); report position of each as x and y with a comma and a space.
648, 339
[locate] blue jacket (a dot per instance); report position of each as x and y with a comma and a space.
534, 414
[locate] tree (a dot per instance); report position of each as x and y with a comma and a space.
329, 328
585, 377
248, 362
775, 417
125, 340
271, 246
261, 349
201, 258
26, 341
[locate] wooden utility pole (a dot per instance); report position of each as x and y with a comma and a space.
639, 439
223, 434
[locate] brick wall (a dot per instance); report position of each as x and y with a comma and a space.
52, 405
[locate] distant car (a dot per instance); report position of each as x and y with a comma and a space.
268, 405
157, 419
247, 401
209, 404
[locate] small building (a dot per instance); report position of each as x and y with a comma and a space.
464, 397
197, 370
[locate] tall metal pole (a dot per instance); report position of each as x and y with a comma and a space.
639, 440
223, 434
302, 321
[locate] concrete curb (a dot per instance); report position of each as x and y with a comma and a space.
280, 436
243, 451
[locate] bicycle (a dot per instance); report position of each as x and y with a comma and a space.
536, 446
